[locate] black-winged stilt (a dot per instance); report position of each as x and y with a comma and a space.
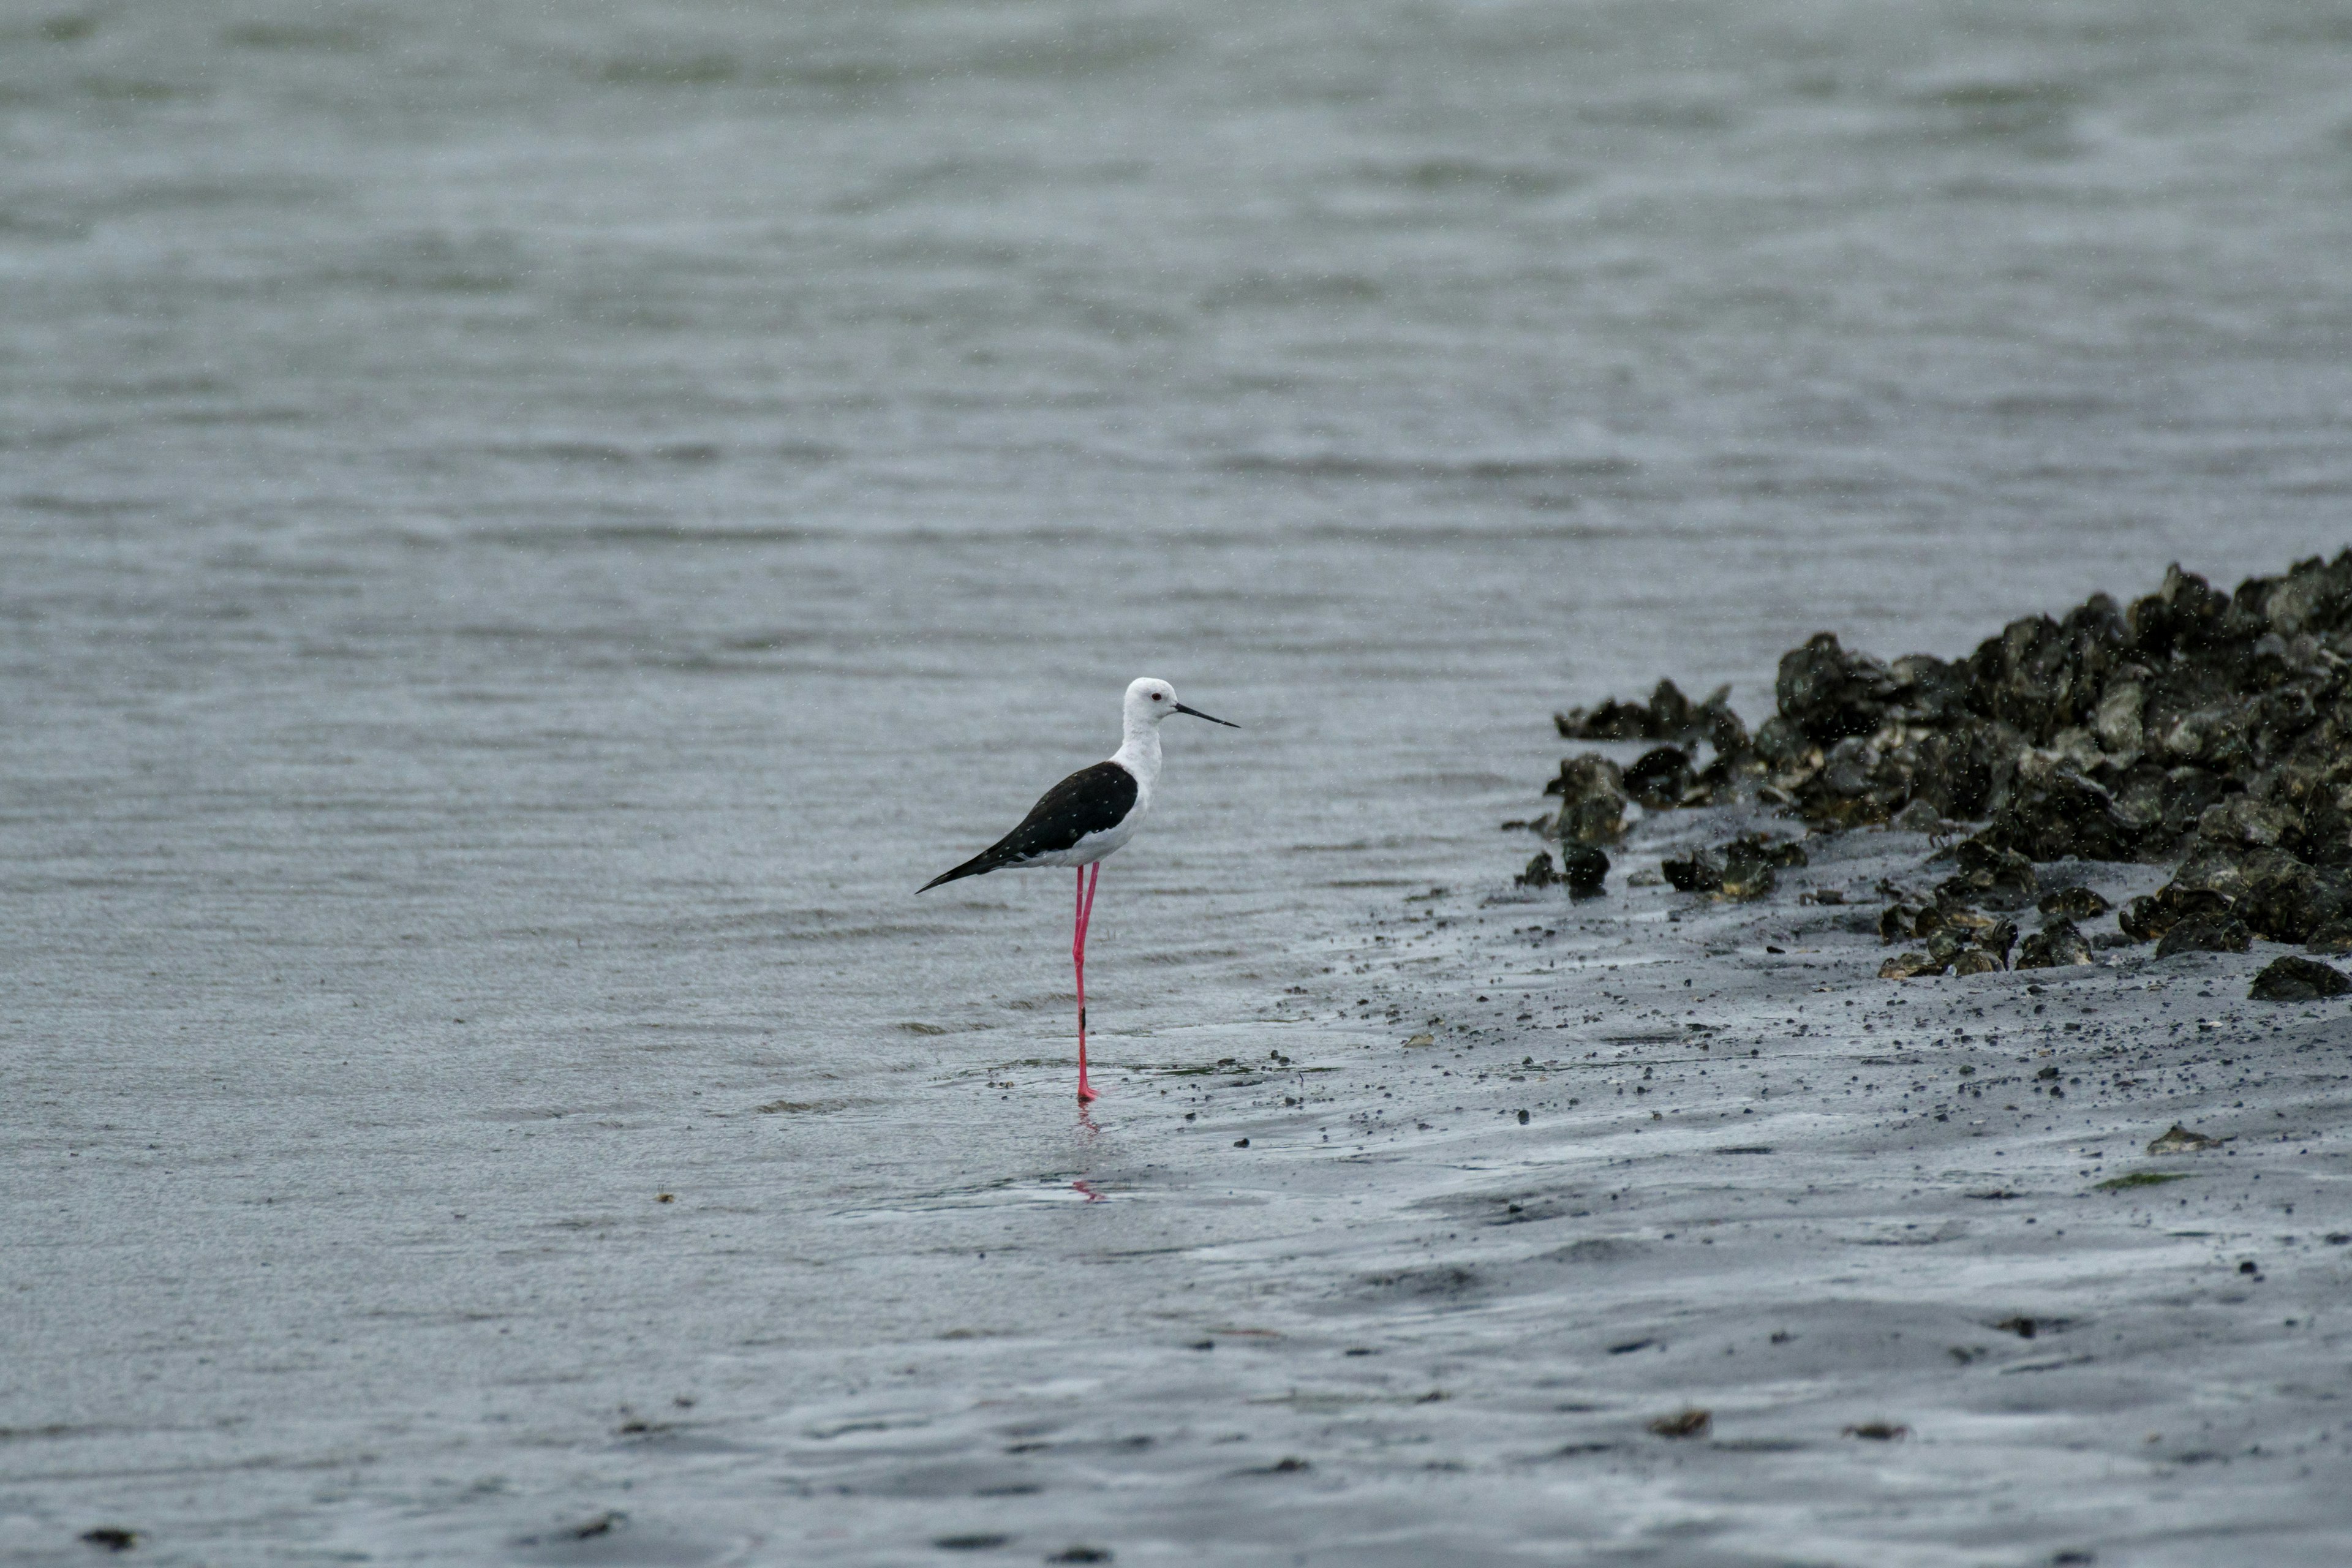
1084, 818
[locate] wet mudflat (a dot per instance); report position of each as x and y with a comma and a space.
1902, 1244
1685, 1238
1654, 1226
524, 536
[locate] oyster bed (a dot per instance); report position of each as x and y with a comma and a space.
2208, 730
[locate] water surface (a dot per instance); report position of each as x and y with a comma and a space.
525, 535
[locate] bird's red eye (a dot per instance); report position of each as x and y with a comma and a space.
1157, 697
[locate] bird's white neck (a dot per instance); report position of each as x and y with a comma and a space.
1139, 752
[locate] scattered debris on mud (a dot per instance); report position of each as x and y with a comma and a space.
2178, 1139
1879, 1431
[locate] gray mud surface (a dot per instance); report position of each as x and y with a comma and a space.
526, 532
1344, 1297
1903, 1242
1756, 1180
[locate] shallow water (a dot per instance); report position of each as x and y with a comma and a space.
525, 535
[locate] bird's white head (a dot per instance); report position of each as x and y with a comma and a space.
1150, 701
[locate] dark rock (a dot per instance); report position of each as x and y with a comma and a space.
2137, 790
2217, 725
2275, 663
1612, 721
2056, 945
2216, 739
2336, 936
1894, 779
1667, 715
1670, 712
1592, 800
2041, 675
2248, 823
1539, 872
1749, 870
1947, 945
2206, 934
2313, 595
2324, 838
2292, 979
1897, 923
1975, 961
1919, 817
2183, 615
2230, 871
1908, 966
2117, 720
1697, 872
1780, 745
1660, 778
1725, 730
1829, 694
2188, 794
2290, 903
2066, 815
2323, 834
1848, 791
1988, 873
1584, 868
1784, 852
1928, 690
2075, 903
1956, 913
1847, 771
1956, 770
1719, 781
2283, 715
2144, 919
2174, 688
2150, 916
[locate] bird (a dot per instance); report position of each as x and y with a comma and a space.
1086, 817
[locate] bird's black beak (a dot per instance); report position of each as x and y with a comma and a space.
1196, 713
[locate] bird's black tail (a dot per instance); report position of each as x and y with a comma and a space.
985, 861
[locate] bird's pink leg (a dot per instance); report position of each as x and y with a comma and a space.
1086, 909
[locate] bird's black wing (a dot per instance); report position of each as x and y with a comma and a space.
1092, 800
